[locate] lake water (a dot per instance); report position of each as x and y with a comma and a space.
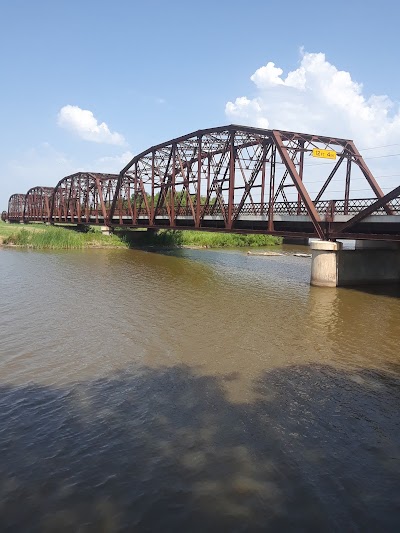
194, 390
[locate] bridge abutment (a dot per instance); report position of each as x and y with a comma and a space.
369, 264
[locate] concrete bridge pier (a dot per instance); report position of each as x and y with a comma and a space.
371, 263
106, 230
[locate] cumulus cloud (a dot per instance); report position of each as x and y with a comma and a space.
85, 125
319, 98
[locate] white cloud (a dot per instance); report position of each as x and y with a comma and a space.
85, 125
317, 98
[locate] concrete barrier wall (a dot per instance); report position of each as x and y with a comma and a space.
368, 266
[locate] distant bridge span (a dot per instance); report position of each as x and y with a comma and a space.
231, 178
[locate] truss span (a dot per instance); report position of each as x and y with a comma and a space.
230, 178
236, 178
16, 205
83, 198
37, 204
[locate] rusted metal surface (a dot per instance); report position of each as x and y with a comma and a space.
231, 178
83, 198
37, 205
16, 205
216, 177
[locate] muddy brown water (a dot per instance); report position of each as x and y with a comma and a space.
194, 390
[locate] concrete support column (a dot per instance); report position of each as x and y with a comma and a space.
324, 263
106, 230
369, 264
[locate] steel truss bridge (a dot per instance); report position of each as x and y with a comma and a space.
231, 178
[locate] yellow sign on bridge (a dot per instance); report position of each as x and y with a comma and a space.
325, 154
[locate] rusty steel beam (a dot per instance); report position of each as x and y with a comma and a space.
359, 160
382, 202
298, 183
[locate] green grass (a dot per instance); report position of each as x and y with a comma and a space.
56, 238
209, 239
38, 236
8, 229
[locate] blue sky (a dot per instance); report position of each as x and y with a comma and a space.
154, 70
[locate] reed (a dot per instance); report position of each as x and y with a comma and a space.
55, 238
210, 239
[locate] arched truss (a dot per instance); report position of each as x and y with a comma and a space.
237, 178
16, 205
231, 178
83, 198
38, 204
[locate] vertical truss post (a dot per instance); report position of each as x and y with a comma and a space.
79, 201
264, 157
135, 192
208, 175
198, 198
301, 170
271, 199
347, 187
99, 187
151, 221
87, 207
231, 190
71, 203
172, 190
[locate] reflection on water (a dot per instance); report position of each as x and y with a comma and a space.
194, 390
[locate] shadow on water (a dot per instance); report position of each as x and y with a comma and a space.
166, 450
391, 290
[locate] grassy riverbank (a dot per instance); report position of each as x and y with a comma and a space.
207, 239
8, 229
55, 238
38, 236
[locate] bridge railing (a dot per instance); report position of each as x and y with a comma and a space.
324, 207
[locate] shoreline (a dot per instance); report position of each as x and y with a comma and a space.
61, 238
